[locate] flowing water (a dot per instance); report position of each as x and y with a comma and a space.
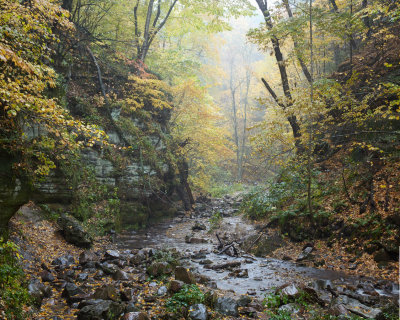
263, 273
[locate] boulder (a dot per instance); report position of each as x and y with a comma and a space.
358, 308
38, 291
86, 257
198, 312
184, 275
107, 310
227, 306
175, 286
290, 291
73, 232
106, 293
47, 276
71, 291
112, 254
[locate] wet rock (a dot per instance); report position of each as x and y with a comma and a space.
38, 291
227, 306
175, 286
353, 266
244, 301
195, 240
184, 275
82, 276
240, 273
358, 308
162, 291
127, 295
200, 278
305, 254
199, 255
339, 310
290, 308
47, 276
290, 291
204, 262
90, 302
198, 312
106, 293
73, 232
157, 269
71, 290
138, 258
87, 256
109, 268
64, 261
121, 275
112, 254
198, 226
136, 316
107, 310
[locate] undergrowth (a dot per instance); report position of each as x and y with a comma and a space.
13, 288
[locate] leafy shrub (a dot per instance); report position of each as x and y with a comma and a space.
187, 296
215, 221
13, 292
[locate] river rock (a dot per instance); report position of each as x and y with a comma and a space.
162, 291
106, 293
227, 306
198, 312
109, 268
38, 291
305, 254
121, 275
358, 308
71, 290
290, 291
73, 232
64, 261
136, 316
112, 254
184, 275
175, 286
87, 256
47, 276
107, 310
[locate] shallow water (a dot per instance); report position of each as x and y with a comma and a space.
263, 273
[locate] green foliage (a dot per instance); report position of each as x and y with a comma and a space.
166, 255
215, 221
188, 295
13, 292
220, 189
274, 301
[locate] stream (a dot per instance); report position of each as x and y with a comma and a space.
262, 274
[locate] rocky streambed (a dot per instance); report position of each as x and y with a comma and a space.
146, 272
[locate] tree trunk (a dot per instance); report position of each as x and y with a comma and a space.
282, 70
